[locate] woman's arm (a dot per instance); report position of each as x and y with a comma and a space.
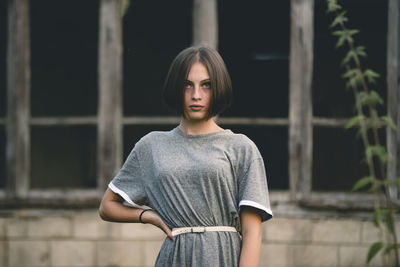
251, 243
111, 209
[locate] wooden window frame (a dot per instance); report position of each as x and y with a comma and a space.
110, 120
302, 120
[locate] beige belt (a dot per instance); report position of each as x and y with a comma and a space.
202, 229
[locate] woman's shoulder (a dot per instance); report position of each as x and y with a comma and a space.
242, 140
154, 137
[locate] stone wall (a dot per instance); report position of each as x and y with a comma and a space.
81, 238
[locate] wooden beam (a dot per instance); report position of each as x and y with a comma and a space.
300, 98
205, 23
18, 99
339, 201
63, 121
393, 94
110, 92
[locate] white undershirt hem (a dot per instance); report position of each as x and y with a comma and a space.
255, 205
128, 200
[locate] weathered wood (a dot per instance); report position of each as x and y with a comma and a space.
330, 122
54, 199
110, 92
172, 120
393, 93
339, 201
300, 98
18, 99
246, 121
63, 121
205, 23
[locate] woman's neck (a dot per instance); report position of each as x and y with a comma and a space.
199, 127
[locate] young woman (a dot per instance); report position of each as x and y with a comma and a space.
204, 186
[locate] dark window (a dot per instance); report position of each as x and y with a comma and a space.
337, 159
337, 153
64, 37
256, 52
2, 157
154, 33
63, 157
330, 97
3, 57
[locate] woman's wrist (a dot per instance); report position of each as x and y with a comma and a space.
141, 216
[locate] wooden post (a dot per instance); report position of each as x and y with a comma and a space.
300, 98
393, 96
205, 23
18, 99
109, 131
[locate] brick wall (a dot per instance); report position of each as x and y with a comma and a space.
80, 238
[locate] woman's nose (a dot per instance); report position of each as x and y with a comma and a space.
196, 92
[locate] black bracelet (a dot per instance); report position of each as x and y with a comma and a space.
140, 216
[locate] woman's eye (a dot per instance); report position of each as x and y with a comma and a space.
187, 85
207, 85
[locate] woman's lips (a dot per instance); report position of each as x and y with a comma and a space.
196, 107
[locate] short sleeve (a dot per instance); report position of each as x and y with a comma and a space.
128, 183
253, 188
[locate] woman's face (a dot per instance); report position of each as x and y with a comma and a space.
197, 93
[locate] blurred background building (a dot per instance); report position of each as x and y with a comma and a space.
80, 84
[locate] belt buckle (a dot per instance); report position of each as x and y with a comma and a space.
198, 229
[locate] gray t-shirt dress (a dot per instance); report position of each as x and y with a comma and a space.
196, 180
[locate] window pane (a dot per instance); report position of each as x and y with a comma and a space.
256, 53
2, 157
154, 33
64, 57
3, 45
338, 159
272, 143
330, 96
63, 157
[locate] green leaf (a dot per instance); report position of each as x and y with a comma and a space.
338, 33
352, 32
376, 185
389, 221
124, 5
362, 183
362, 98
391, 247
353, 121
377, 216
369, 98
333, 6
375, 98
339, 20
355, 72
389, 122
348, 57
342, 35
371, 75
360, 50
373, 250
378, 151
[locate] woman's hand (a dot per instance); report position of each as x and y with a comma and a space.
153, 218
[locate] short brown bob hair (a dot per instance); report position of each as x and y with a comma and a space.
220, 80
